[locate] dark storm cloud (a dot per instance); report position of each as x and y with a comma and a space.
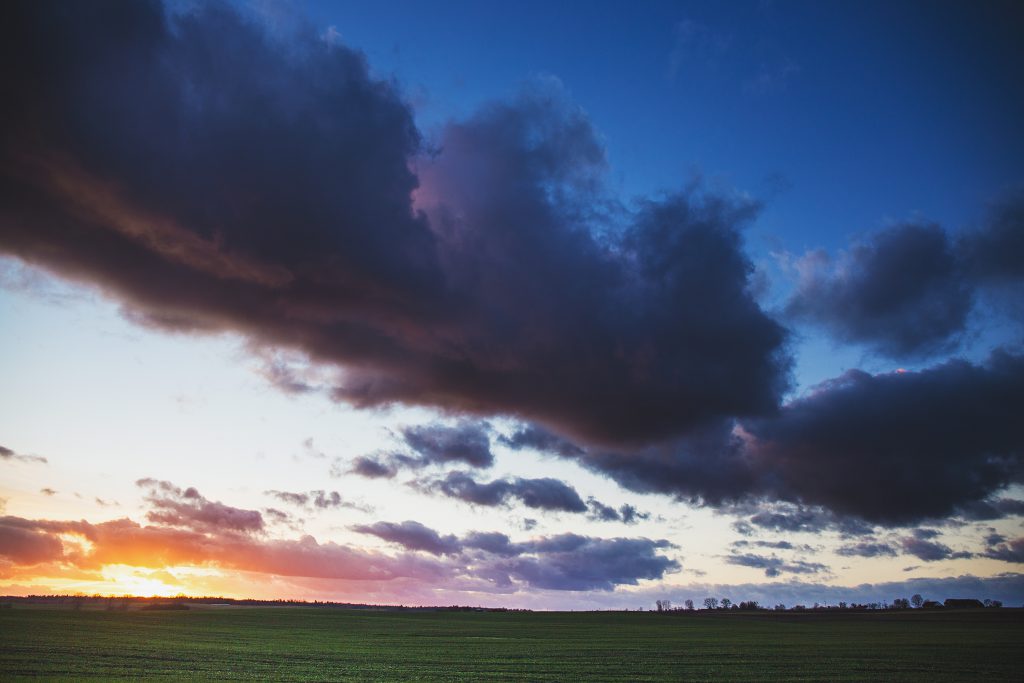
857, 451
984, 510
774, 566
995, 251
899, 447
708, 466
542, 493
213, 178
900, 291
412, 536
186, 508
907, 291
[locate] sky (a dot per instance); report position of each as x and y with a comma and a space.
512, 304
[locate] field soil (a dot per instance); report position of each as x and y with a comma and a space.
305, 644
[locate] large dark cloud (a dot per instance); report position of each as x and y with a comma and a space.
542, 493
994, 252
894, 448
906, 292
710, 465
213, 178
860, 450
997, 508
902, 291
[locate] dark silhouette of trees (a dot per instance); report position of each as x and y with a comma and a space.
710, 603
689, 604
916, 600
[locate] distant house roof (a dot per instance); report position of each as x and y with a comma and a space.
962, 603
930, 604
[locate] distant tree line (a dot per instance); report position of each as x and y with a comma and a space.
178, 602
915, 602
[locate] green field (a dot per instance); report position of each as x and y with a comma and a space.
333, 644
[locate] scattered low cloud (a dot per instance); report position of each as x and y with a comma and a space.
172, 506
6, 454
867, 549
625, 513
316, 500
540, 493
1000, 548
774, 566
187, 529
931, 551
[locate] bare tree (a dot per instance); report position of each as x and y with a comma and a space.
916, 600
726, 603
710, 603
689, 604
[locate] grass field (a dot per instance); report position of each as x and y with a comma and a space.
332, 644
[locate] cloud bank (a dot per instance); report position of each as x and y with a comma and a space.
213, 177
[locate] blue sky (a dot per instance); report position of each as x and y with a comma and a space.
513, 304
842, 117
